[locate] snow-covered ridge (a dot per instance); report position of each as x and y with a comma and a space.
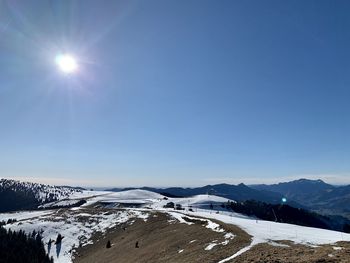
136, 194
42, 192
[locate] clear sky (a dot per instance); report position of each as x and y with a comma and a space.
175, 92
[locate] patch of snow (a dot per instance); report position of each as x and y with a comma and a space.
229, 236
240, 252
211, 246
83, 214
140, 214
224, 243
210, 224
214, 226
179, 217
275, 244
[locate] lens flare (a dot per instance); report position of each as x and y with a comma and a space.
66, 63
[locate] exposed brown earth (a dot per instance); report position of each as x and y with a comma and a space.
266, 253
162, 239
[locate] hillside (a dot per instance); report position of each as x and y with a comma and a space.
17, 195
17, 246
192, 232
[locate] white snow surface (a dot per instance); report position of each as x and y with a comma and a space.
210, 246
23, 215
76, 228
136, 196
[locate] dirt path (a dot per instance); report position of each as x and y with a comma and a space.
162, 239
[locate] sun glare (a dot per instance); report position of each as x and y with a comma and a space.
66, 63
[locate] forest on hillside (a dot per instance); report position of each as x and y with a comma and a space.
18, 247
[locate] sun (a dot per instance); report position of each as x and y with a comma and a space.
66, 63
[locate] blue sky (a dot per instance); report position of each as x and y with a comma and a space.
175, 92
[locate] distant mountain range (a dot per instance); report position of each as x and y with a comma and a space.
315, 195
16, 195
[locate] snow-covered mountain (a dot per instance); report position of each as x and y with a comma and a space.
17, 195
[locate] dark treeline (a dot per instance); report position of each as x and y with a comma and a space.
286, 214
18, 247
11, 200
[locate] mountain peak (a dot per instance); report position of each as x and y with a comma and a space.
307, 181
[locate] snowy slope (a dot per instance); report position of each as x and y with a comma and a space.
265, 231
76, 227
131, 196
134, 195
